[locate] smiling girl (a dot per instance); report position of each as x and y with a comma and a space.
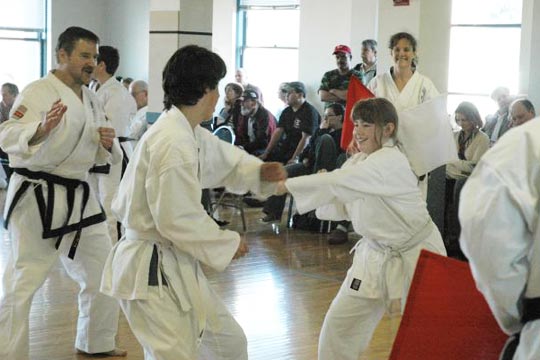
376, 190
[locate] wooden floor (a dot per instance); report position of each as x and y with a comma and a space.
279, 293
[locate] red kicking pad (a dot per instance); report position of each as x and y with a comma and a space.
446, 317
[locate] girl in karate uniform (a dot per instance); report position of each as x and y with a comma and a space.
376, 190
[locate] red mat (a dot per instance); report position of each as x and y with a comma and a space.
446, 317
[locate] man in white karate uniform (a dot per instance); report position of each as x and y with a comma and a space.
155, 271
500, 235
120, 107
54, 136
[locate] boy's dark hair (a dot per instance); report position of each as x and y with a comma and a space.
110, 56
71, 35
189, 73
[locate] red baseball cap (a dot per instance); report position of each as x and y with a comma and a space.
343, 49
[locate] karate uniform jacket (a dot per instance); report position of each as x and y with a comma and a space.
380, 196
417, 90
120, 108
159, 203
69, 150
500, 232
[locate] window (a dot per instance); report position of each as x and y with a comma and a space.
23, 40
267, 45
484, 51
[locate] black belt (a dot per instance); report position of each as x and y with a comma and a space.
154, 271
100, 169
46, 208
125, 158
531, 312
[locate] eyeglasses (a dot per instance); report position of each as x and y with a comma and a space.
326, 116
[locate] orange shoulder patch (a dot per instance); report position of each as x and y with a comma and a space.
19, 113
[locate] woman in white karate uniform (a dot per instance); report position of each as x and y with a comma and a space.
403, 85
376, 190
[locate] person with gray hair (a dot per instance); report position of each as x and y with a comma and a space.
521, 111
139, 90
9, 93
499, 123
368, 66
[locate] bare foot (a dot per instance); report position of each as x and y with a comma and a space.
113, 353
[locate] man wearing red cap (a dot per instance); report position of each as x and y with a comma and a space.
334, 83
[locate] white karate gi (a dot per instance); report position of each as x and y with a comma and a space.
120, 107
68, 151
379, 194
138, 126
417, 90
159, 203
500, 232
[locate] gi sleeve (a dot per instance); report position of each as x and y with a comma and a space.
173, 195
24, 120
349, 183
494, 232
223, 164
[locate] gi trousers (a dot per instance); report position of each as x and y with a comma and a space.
166, 332
349, 325
29, 262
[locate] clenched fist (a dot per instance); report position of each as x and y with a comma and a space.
106, 137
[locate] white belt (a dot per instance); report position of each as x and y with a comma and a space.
390, 252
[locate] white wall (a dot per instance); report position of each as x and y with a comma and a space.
323, 24
127, 29
118, 23
224, 35
321, 29
86, 14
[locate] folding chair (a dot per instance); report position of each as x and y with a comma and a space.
226, 133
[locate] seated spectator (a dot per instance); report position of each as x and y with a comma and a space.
521, 111
138, 126
255, 125
296, 125
282, 96
321, 154
241, 77
230, 113
9, 93
498, 123
471, 144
